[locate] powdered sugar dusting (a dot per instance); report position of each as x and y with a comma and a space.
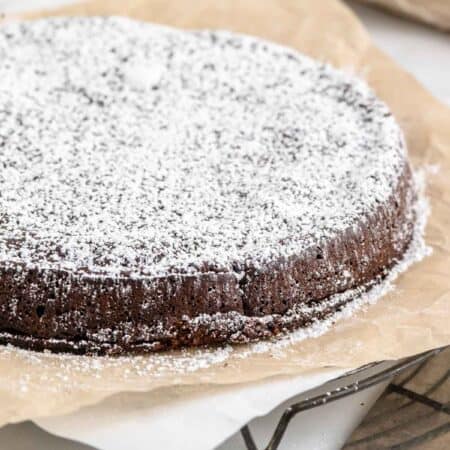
417, 250
133, 149
160, 365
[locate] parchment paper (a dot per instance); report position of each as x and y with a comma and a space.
412, 319
126, 420
432, 12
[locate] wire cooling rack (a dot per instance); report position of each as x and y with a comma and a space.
417, 363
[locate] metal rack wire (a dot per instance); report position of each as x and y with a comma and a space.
341, 392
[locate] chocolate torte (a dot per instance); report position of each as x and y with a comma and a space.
163, 188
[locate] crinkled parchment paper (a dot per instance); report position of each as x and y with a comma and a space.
410, 319
432, 12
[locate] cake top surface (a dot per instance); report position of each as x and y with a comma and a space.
130, 148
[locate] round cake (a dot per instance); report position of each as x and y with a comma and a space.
162, 188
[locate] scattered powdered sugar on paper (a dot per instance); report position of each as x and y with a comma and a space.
129, 148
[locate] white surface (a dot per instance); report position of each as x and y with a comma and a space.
322, 428
138, 421
15, 6
196, 420
422, 51
190, 420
